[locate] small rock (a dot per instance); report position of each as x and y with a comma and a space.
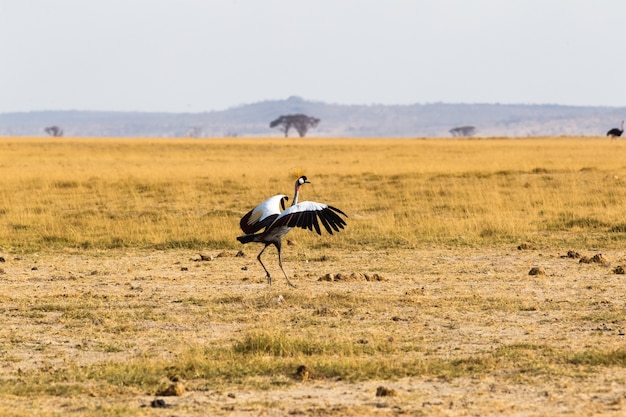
184, 268
374, 277
385, 392
303, 373
158, 403
572, 254
619, 270
525, 246
599, 259
536, 271
240, 254
354, 276
327, 277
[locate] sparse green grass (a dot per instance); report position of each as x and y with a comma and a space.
275, 357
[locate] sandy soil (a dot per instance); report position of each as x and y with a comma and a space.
427, 289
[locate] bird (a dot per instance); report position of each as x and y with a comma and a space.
273, 221
615, 132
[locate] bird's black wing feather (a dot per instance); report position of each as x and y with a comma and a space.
253, 228
331, 220
311, 220
308, 219
316, 224
325, 223
303, 219
337, 210
291, 220
334, 218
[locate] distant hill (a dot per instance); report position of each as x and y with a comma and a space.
416, 120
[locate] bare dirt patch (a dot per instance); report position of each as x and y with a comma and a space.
523, 344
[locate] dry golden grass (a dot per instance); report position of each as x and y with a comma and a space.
106, 305
63, 193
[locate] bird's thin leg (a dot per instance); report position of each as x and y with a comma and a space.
267, 273
280, 263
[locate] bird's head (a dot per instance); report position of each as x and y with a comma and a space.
301, 181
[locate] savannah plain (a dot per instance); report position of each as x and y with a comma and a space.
123, 291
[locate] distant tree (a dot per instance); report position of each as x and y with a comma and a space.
463, 131
55, 131
302, 123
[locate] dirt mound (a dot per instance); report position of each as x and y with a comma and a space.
354, 276
537, 271
571, 254
595, 259
302, 373
385, 392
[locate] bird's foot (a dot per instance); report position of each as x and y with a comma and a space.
269, 279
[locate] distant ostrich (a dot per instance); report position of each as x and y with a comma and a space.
615, 132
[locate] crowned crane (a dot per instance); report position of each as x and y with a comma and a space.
615, 132
276, 224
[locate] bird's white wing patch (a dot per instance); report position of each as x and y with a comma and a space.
262, 215
265, 209
304, 206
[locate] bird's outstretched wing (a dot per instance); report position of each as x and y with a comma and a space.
263, 215
306, 214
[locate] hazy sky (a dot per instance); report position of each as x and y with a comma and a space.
201, 55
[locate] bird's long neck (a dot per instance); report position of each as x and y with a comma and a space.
296, 195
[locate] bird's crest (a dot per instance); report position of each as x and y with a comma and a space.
296, 173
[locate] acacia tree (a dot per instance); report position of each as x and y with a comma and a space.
302, 123
54, 131
463, 131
